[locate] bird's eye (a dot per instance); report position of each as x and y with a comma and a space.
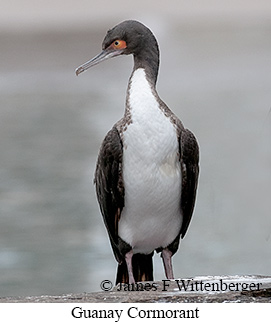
119, 44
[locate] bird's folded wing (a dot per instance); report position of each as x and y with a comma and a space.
189, 158
109, 184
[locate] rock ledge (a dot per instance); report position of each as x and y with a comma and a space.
204, 289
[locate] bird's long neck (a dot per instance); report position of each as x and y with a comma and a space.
141, 89
148, 59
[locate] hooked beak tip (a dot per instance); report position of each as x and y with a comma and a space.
79, 70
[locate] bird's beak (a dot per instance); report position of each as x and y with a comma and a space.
104, 55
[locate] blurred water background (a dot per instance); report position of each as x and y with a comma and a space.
215, 75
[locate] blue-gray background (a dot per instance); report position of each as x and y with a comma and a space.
215, 75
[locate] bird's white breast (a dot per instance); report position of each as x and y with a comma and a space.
151, 216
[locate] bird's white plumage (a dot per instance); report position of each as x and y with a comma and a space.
151, 217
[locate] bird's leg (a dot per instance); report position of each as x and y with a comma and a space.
128, 259
166, 256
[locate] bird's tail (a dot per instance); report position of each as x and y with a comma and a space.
142, 269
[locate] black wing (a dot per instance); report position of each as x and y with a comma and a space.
189, 158
109, 185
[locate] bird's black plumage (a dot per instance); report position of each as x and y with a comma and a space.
132, 37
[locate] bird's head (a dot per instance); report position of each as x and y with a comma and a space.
128, 37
